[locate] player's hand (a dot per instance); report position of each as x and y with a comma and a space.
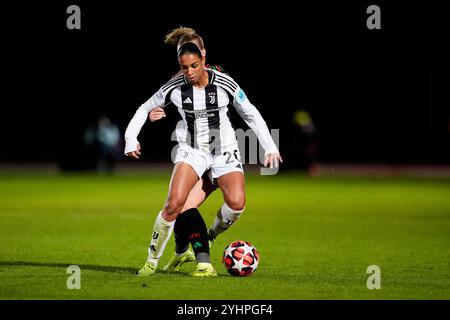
273, 159
156, 114
135, 154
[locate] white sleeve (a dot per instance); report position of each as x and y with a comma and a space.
253, 118
139, 118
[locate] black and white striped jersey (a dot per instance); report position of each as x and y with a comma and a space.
205, 124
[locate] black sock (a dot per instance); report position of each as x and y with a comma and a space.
190, 227
181, 236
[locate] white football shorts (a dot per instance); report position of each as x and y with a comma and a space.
215, 165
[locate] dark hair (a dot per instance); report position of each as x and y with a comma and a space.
182, 35
189, 47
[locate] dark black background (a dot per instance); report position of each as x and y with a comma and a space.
281, 309
377, 96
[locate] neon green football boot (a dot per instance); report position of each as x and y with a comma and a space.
147, 270
175, 263
211, 239
204, 270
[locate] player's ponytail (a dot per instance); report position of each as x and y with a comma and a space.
179, 36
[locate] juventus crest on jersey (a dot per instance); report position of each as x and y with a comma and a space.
205, 124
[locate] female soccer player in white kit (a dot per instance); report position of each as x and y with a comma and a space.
206, 140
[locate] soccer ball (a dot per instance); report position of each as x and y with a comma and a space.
240, 258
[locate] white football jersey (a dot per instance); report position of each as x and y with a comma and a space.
205, 123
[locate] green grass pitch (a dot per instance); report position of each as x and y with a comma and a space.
316, 237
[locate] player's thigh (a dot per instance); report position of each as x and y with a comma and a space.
202, 189
183, 179
232, 185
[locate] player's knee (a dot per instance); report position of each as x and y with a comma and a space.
236, 203
173, 206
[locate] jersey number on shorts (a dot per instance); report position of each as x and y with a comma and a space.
228, 153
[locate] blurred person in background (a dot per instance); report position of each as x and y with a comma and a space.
304, 143
105, 140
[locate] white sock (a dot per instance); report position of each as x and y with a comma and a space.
224, 219
162, 231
